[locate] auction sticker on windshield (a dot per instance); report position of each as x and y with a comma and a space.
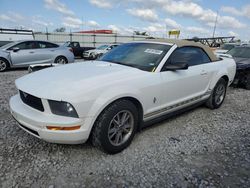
153, 51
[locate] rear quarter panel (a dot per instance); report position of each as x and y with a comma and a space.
218, 69
64, 51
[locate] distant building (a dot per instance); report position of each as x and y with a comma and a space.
103, 31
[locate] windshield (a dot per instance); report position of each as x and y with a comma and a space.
66, 44
7, 45
103, 47
242, 52
145, 56
227, 46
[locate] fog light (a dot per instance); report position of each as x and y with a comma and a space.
53, 128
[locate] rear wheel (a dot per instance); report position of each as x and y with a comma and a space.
218, 95
115, 127
61, 60
4, 65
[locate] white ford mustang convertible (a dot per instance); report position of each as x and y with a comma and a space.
108, 100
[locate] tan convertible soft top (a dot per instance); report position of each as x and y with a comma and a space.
181, 43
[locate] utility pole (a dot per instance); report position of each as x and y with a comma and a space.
215, 24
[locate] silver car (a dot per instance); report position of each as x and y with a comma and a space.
25, 53
98, 52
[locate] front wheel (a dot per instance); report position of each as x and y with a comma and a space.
92, 56
115, 127
3, 65
61, 60
218, 95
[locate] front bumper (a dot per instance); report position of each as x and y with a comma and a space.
34, 122
85, 55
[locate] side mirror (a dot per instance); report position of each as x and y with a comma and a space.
109, 48
176, 66
15, 49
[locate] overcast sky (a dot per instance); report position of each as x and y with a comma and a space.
192, 17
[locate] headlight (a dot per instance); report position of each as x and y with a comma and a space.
62, 108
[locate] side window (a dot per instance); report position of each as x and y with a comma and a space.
26, 45
190, 55
41, 44
51, 45
46, 45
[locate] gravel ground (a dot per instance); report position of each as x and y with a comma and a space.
200, 148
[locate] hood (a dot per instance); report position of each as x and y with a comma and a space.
242, 62
65, 82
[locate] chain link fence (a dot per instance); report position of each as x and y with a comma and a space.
87, 40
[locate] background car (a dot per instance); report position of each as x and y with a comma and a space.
98, 52
25, 53
241, 55
77, 49
226, 47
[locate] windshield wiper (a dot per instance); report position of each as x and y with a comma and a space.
130, 65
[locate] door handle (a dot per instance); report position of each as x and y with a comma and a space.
203, 72
32, 52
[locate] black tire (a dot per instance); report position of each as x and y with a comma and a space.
247, 82
4, 65
61, 60
214, 102
100, 55
92, 56
101, 131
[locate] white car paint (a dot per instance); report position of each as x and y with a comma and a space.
95, 52
92, 86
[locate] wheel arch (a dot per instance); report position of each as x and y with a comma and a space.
57, 56
226, 78
8, 62
133, 99
217, 77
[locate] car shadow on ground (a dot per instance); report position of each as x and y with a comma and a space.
17, 69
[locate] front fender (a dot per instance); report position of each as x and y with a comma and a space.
110, 96
5, 55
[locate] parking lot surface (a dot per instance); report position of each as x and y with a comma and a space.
200, 148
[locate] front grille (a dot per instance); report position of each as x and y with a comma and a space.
32, 101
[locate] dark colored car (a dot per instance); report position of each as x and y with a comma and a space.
77, 49
241, 55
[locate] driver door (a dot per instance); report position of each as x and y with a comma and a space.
182, 85
26, 54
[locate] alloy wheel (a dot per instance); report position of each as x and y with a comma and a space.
3, 65
61, 60
121, 127
220, 94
